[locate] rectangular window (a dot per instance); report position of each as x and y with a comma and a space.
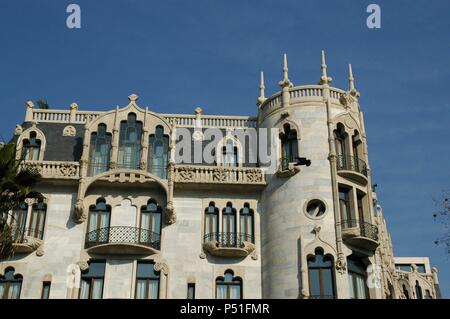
361, 208
421, 268
345, 209
46, 290
191, 291
147, 281
92, 281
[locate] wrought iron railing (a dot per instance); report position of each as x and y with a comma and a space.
19, 235
229, 239
123, 235
351, 163
365, 229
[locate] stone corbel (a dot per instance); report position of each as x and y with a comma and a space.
80, 214
171, 216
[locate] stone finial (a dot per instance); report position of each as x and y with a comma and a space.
29, 105
285, 82
133, 97
198, 111
262, 97
324, 78
74, 106
18, 130
29, 112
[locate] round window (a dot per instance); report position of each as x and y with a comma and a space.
315, 208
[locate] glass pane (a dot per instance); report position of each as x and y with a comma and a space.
191, 291
97, 289
235, 292
96, 269
221, 292
360, 287
351, 286
314, 282
45, 291
14, 290
327, 282
2, 289
140, 289
153, 289
84, 290
145, 270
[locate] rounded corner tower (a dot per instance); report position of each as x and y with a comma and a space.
317, 206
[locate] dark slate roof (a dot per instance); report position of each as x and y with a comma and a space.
59, 147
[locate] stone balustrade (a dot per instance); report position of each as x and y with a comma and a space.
54, 169
219, 175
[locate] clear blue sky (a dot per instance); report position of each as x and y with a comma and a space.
179, 54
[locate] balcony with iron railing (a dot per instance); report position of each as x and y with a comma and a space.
229, 244
26, 240
125, 240
360, 234
352, 167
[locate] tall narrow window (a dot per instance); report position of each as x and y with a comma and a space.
360, 203
419, 294
340, 139
345, 208
158, 153
10, 284
150, 229
246, 216
37, 221
46, 290
98, 226
191, 291
405, 292
320, 271
228, 286
228, 236
19, 222
289, 145
230, 154
147, 281
92, 281
428, 294
130, 143
100, 151
31, 148
211, 222
357, 278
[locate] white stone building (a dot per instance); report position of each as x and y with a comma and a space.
125, 217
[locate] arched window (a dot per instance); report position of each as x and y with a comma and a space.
289, 146
158, 150
130, 143
405, 292
357, 278
19, 222
31, 148
228, 235
340, 140
92, 281
418, 289
10, 284
246, 216
150, 229
147, 281
230, 154
321, 280
211, 222
228, 286
37, 220
98, 226
100, 151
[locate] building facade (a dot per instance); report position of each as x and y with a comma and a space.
128, 213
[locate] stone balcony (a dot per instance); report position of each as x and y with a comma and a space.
219, 175
55, 169
123, 240
229, 244
360, 234
26, 240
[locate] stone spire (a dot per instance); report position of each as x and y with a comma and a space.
351, 82
262, 97
285, 83
324, 80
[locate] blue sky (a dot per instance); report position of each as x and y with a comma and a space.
179, 54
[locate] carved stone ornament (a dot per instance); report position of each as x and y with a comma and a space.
341, 266
18, 130
69, 130
68, 170
347, 99
197, 136
171, 216
255, 176
80, 214
187, 174
161, 267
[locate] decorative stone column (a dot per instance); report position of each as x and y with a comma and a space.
29, 111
